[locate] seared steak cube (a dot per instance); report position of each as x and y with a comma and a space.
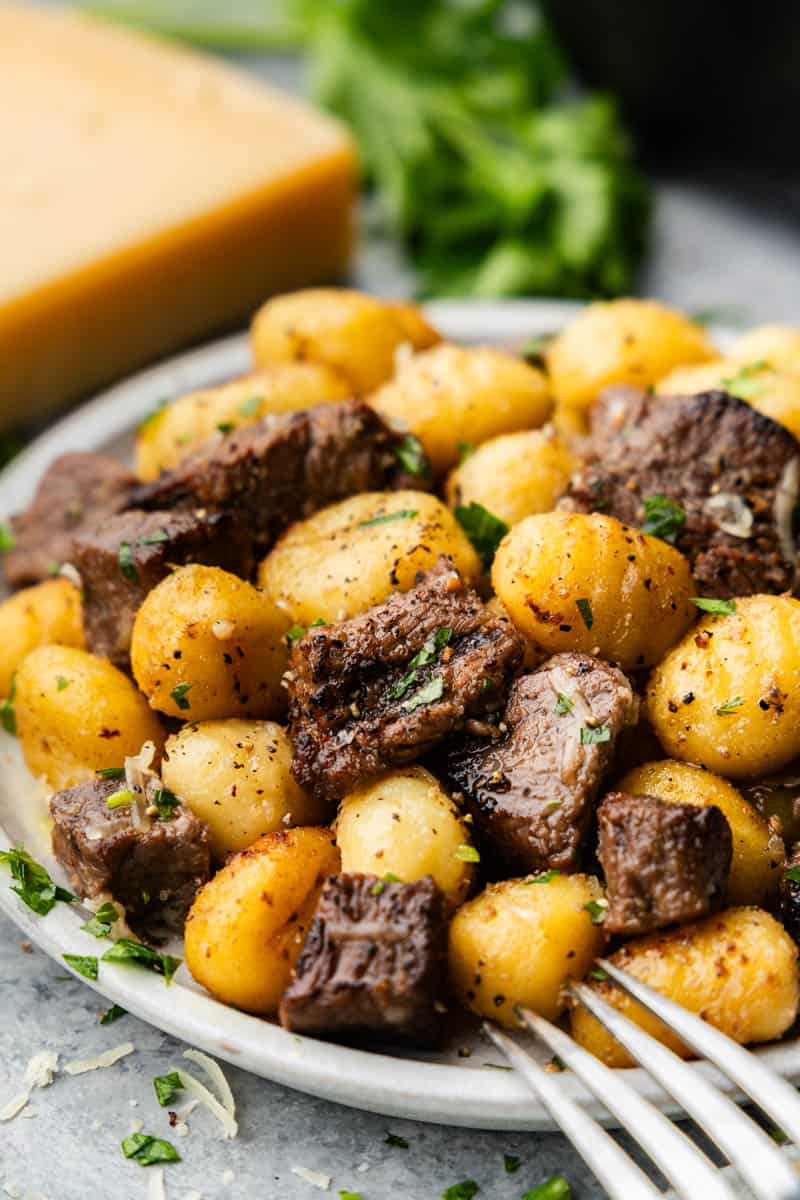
373, 963
124, 558
77, 492
531, 784
733, 473
664, 863
382, 688
153, 869
286, 467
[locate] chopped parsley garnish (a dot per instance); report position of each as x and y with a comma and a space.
412, 457
126, 564
585, 609
467, 854
378, 888
153, 539
8, 717
166, 802
484, 530
597, 910
730, 706
349, 1195
429, 653
249, 408
555, 1188
113, 1014
61, 683
534, 350
402, 514
84, 964
394, 1139
299, 631
36, 888
111, 772
152, 417
225, 426
119, 799
465, 451
663, 518
126, 950
599, 974
792, 874
101, 923
430, 691
390, 877
511, 1163
146, 1149
461, 1191
710, 605
7, 539
563, 705
178, 694
592, 737
545, 876
745, 383
167, 1086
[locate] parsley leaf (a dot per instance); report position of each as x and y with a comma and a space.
563, 705
249, 408
7, 539
483, 529
534, 350
402, 514
100, 924
146, 1149
126, 950
429, 653
585, 609
394, 1139
167, 1086
792, 874
467, 854
178, 694
599, 974
111, 773
8, 717
465, 451
225, 426
555, 1188
412, 457
461, 1191
745, 383
349, 1195
113, 1014
511, 1163
61, 683
166, 802
150, 420
430, 691
663, 518
709, 605
297, 632
153, 539
126, 564
592, 737
545, 876
36, 888
84, 964
119, 799
730, 706
597, 910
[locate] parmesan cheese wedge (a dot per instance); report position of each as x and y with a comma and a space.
150, 195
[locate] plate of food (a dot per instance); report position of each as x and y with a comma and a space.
373, 673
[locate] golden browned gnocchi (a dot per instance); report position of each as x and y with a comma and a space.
758, 854
179, 428
737, 969
728, 695
621, 341
48, 613
406, 825
236, 776
206, 644
572, 581
513, 476
453, 397
771, 391
77, 714
779, 345
355, 334
520, 941
355, 553
246, 927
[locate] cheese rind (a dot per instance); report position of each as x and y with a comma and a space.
150, 195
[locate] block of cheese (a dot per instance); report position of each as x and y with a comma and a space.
149, 196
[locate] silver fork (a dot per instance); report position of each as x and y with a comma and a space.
767, 1172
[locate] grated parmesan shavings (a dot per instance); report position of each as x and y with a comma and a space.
13, 1106
41, 1069
315, 1178
155, 1185
106, 1059
200, 1092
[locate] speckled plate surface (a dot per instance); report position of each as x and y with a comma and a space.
444, 1088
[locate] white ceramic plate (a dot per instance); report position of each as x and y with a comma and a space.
444, 1087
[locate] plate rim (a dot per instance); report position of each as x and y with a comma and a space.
439, 1093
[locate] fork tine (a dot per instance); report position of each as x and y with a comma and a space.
617, 1172
771, 1093
758, 1160
684, 1165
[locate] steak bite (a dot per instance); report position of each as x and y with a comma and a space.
77, 492
384, 687
123, 559
153, 868
531, 783
286, 467
664, 863
373, 963
733, 472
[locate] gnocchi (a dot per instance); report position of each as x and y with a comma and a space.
48, 613
512, 476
